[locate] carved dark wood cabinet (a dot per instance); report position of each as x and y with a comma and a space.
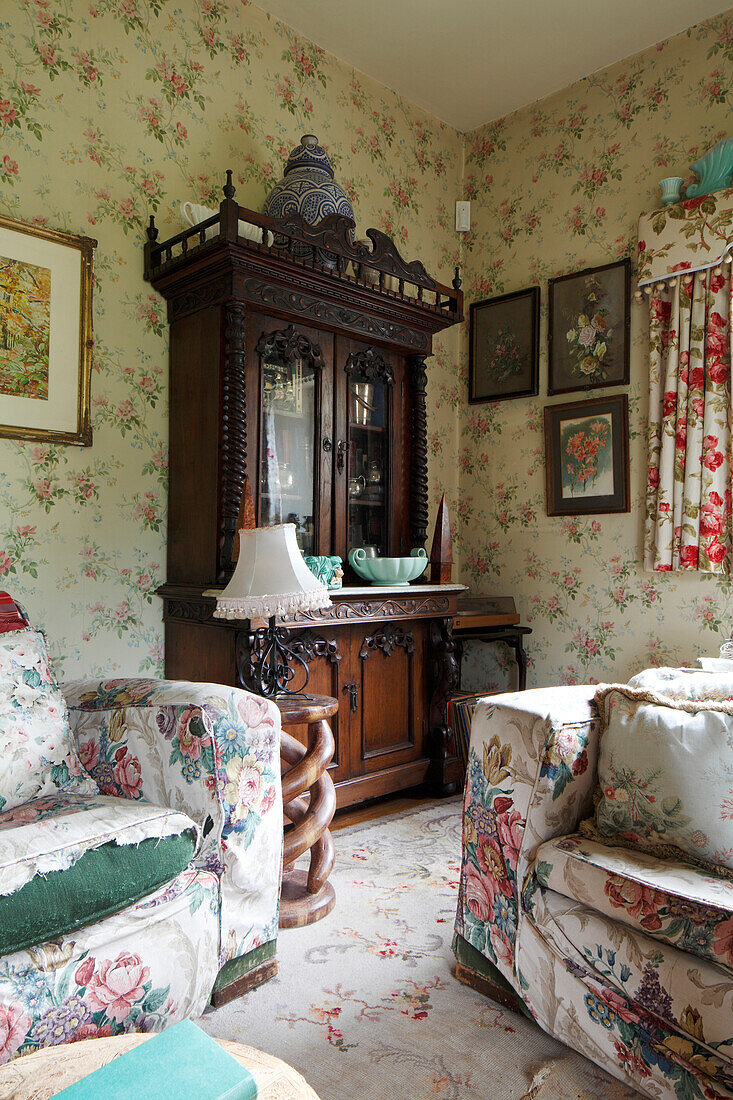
298, 360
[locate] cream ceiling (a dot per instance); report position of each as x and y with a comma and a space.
470, 61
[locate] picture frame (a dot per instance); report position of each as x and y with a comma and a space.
45, 334
503, 350
587, 456
588, 331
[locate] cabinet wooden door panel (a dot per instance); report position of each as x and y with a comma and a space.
387, 666
387, 697
327, 657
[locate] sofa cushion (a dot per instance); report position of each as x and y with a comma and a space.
38, 755
653, 1000
101, 882
70, 860
668, 900
51, 833
665, 772
685, 683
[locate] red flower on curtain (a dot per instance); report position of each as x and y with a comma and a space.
711, 518
716, 552
681, 433
688, 557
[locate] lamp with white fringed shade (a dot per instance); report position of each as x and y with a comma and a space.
271, 579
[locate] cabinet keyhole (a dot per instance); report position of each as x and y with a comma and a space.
352, 690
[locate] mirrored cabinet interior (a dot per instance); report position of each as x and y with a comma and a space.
369, 426
290, 396
299, 361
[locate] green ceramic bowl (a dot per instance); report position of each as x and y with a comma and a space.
388, 570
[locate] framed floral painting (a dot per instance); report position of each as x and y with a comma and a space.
587, 456
504, 346
588, 328
45, 333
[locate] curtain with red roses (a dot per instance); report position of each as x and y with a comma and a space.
688, 515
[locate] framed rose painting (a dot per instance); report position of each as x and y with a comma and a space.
588, 328
45, 333
504, 346
587, 456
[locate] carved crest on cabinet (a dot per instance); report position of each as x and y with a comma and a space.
288, 344
205, 295
394, 608
316, 309
311, 646
388, 640
335, 232
370, 365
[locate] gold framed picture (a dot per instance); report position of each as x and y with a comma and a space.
45, 333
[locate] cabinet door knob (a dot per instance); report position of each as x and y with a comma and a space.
327, 445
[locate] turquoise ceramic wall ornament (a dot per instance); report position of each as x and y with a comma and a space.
308, 187
671, 189
327, 569
714, 170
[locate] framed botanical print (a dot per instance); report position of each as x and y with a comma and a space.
45, 333
504, 346
588, 328
587, 456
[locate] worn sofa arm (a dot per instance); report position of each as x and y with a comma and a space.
206, 749
531, 768
214, 753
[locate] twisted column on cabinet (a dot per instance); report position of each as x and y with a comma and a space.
306, 897
418, 452
446, 678
233, 434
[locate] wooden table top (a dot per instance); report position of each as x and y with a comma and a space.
297, 710
44, 1073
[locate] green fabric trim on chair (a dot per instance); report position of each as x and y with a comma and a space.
467, 955
236, 968
103, 881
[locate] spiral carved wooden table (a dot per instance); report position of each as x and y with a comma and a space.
307, 896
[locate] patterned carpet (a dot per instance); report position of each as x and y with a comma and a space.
366, 1004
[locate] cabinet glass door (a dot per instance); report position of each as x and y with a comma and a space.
368, 420
287, 480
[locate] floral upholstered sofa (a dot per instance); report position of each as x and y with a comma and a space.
140, 849
616, 928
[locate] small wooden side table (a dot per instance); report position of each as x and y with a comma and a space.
307, 897
491, 619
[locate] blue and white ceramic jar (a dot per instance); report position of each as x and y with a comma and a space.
308, 187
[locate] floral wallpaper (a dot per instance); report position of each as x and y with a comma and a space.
115, 109
555, 188
112, 110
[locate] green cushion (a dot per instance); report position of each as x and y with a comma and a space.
101, 882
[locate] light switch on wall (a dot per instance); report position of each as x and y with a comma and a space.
463, 217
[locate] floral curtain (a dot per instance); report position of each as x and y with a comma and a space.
689, 521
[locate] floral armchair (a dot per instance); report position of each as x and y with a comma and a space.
157, 757
623, 955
